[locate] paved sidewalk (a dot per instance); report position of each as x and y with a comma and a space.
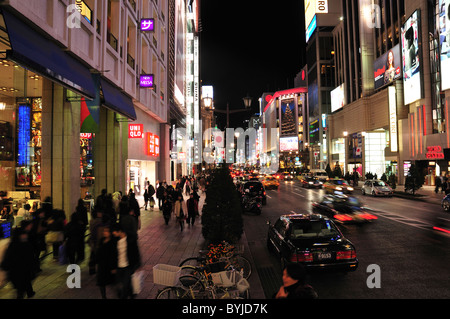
159, 244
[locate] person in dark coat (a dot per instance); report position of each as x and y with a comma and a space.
294, 284
105, 260
166, 207
19, 262
74, 236
128, 260
56, 223
81, 209
192, 208
145, 198
135, 209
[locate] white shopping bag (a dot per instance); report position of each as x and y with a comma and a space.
137, 281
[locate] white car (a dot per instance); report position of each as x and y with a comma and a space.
376, 187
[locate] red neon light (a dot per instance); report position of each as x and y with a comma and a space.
424, 120
448, 124
279, 93
420, 134
152, 144
442, 229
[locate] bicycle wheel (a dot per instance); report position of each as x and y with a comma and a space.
192, 282
173, 293
196, 287
192, 261
242, 263
189, 270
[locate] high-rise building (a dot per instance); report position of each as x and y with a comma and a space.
83, 104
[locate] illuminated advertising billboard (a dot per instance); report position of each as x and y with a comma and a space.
337, 98
180, 54
412, 81
444, 42
387, 68
288, 144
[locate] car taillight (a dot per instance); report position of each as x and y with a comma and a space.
303, 256
346, 254
342, 217
368, 216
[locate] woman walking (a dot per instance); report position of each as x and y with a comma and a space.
179, 211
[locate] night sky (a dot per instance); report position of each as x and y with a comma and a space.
250, 47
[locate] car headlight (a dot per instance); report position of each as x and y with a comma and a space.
338, 188
350, 188
310, 183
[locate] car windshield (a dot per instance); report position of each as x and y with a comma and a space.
350, 201
311, 179
269, 178
379, 183
308, 229
321, 174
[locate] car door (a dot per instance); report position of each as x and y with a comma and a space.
278, 233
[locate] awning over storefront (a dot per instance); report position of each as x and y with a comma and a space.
33, 51
117, 101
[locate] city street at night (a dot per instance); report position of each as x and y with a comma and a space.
413, 258
200, 149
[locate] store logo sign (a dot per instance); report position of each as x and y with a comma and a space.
148, 24
146, 80
434, 152
135, 130
152, 144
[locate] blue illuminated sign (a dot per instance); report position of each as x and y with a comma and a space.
23, 135
310, 30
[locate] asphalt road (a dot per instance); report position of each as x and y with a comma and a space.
412, 259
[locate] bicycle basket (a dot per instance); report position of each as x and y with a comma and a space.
216, 266
166, 275
224, 278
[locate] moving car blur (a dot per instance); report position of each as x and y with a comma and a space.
343, 209
337, 186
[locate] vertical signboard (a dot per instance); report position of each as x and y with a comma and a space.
412, 75
444, 42
393, 119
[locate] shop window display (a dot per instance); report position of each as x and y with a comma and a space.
86, 159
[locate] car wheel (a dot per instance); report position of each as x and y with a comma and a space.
373, 193
446, 205
363, 191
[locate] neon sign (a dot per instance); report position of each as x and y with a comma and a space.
434, 152
152, 144
148, 24
146, 81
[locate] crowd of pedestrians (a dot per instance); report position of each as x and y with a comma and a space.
113, 227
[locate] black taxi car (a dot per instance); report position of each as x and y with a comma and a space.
312, 240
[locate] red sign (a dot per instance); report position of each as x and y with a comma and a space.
135, 130
152, 144
434, 152
86, 135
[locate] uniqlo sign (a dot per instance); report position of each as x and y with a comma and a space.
135, 130
152, 144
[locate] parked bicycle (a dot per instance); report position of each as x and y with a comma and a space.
206, 283
229, 254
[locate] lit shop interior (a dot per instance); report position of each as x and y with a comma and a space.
20, 137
